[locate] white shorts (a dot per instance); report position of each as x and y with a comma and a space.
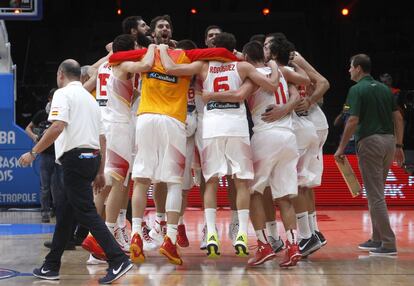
188, 182
190, 124
275, 156
161, 144
227, 156
119, 145
316, 163
308, 147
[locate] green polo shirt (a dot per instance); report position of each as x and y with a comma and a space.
374, 104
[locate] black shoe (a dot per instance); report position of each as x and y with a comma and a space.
115, 272
321, 238
382, 251
69, 246
309, 245
370, 245
45, 273
45, 218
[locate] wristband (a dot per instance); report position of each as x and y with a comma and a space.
399, 145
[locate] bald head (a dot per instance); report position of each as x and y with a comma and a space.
71, 69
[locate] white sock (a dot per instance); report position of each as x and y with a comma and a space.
303, 225
172, 232
181, 220
160, 217
234, 216
210, 220
243, 220
121, 221
136, 226
260, 234
291, 236
271, 228
313, 222
111, 227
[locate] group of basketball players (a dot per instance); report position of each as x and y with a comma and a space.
169, 115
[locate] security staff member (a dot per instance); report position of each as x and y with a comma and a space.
76, 132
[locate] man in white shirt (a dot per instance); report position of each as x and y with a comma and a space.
76, 130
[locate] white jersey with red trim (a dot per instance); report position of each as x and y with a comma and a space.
104, 72
259, 102
224, 118
120, 95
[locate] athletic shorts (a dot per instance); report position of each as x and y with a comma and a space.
275, 157
161, 142
316, 163
119, 146
308, 147
227, 156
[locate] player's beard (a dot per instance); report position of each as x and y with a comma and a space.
143, 40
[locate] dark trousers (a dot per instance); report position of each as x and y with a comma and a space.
78, 174
47, 169
375, 155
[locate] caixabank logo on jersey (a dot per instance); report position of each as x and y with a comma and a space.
222, 105
163, 77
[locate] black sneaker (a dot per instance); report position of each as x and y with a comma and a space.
382, 251
321, 238
45, 273
309, 245
115, 272
370, 245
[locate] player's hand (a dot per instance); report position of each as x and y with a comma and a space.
98, 184
399, 156
162, 46
152, 46
26, 159
273, 113
303, 105
339, 155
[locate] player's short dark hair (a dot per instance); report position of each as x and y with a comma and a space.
158, 18
281, 50
186, 44
225, 40
277, 36
260, 38
124, 42
362, 60
130, 23
211, 27
254, 51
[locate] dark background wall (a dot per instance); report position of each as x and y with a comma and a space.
80, 29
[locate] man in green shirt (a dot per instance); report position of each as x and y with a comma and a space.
374, 119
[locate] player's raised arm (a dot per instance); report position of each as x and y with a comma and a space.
178, 69
270, 84
142, 66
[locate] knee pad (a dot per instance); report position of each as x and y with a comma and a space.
174, 198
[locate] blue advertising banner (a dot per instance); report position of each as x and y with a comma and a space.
18, 186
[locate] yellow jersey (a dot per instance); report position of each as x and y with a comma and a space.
162, 93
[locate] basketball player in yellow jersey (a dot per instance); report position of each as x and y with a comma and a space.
161, 142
